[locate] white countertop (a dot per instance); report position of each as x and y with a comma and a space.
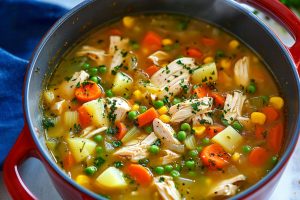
37, 179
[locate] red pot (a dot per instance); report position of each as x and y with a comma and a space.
227, 14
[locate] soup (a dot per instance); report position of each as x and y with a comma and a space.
163, 107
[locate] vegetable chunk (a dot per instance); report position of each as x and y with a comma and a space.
81, 148
112, 179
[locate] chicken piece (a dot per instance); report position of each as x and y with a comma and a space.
59, 107
166, 188
233, 106
117, 108
92, 132
227, 187
169, 157
190, 108
137, 151
202, 119
93, 53
117, 43
158, 57
173, 78
241, 71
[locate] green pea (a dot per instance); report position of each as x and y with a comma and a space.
98, 138
190, 164
132, 115
251, 88
149, 129
85, 66
265, 99
237, 126
199, 149
176, 100
109, 93
118, 164
274, 159
154, 149
193, 153
159, 170
90, 170
99, 150
246, 148
95, 79
185, 127
158, 104
143, 109
192, 173
205, 141
177, 167
168, 168
93, 71
102, 69
174, 173
181, 135
224, 122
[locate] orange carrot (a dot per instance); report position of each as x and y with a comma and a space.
140, 174
202, 91
84, 116
87, 92
151, 70
271, 113
115, 31
121, 130
194, 52
274, 137
258, 156
68, 161
152, 41
147, 117
214, 157
260, 132
214, 130
208, 41
219, 99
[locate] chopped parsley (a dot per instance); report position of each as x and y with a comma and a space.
48, 123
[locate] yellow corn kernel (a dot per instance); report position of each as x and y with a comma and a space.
233, 44
167, 41
165, 118
137, 94
276, 102
83, 180
163, 110
135, 107
199, 131
128, 22
225, 63
235, 157
258, 118
208, 59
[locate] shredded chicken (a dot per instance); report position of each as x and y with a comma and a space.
169, 157
118, 107
190, 108
94, 54
92, 132
159, 57
117, 43
233, 106
137, 151
173, 78
59, 107
202, 119
227, 187
166, 188
241, 71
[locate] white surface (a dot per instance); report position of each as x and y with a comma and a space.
36, 178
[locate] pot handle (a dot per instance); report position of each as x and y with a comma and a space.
286, 18
22, 149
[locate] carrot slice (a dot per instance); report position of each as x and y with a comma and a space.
151, 70
194, 52
260, 132
214, 130
84, 116
140, 174
121, 130
208, 41
271, 113
68, 161
152, 41
115, 31
258, 156
219, 99
87, 92
275, 136
147, 117
202, 91
214, 157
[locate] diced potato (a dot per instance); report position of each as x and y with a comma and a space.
81, 148
112, 178
96, 110
122, 84
51, 144
229, 139
57, 130
70, 118
49, 96
206, 73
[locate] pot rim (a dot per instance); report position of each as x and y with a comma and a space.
246, 193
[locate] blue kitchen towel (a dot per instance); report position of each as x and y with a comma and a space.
22, 23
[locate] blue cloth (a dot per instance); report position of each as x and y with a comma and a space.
22, 23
